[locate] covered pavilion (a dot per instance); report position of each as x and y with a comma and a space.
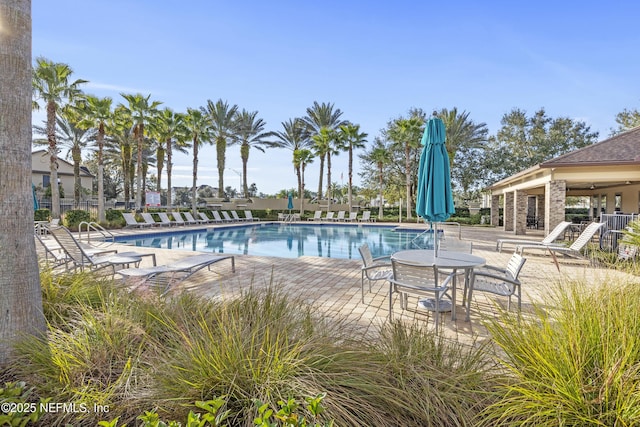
608, 172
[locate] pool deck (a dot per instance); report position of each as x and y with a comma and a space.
332, 285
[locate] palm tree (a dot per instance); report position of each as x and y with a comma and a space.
301, 158
96, 113
222, 118
197, 127
51, 84
170, 128
324, 147
20, 291
120, 146
73, 137
142, 111
461, 132
380, 155
351, 139
322, 116
407, 133
250, 133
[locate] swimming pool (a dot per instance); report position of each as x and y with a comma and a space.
282, 240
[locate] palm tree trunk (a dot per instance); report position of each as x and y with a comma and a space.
76, 155
380, 175
221, 148
139, 132
320, 178
53, 166
328, 181
101, 213
350, 175
169, 167
302, 189
408, 173
194, 190
20, 291
300, 193
159, 167
244, 154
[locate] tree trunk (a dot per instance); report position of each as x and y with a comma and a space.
139, 133
221, 147
320, 178
53, 156
76, 155
169, 167
244, 154
381, 174
20, 293
300, 189
350, 176
101, 213
194, 194
328, 182
408, 172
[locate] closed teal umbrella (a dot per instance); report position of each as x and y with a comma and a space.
435, 199
290, 202
35, 198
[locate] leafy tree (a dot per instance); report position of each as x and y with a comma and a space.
51, 84
119, 148
524, 141
407, 133
322, 116
222, 117
627, 119
170, 128
351, 139
379, 156
141, 110
250, 133
324, 147
96, 113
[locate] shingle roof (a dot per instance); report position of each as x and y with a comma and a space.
623, 148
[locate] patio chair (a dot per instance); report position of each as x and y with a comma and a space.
554, 235
249, 215
457, 245
216, 216
165, 277
148, 218
81, 259
575, 250
373, 269
421, 281
366, 217
317, 216
498, 281
340, 216
191, 220
329, 216
131, 221
164, 219
353, 216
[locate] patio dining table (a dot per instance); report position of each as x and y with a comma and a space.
446, 260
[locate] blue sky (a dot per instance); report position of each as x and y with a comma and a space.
373, 60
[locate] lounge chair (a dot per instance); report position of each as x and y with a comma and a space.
366, 217
236, 217
164, 277
226, 217
317, 216
81, 259
576, 248
216, 216
498, 281
422, 281
131, 221
329, 216
373, 269
250, 217
554, 235
148, 218
191, 220
164, 219
340, 216
177, 216
203, 216
353, 216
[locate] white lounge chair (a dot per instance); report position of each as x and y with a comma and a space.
575, 250
203, 216
366, 217
163, 277
353, 216
191, 220
236, 217
148, 218
317, 216
177, 216
226, 217
250, 217
340, 216
81, 259
329, 216
216, 216
498, 281
164, 219
554, 235
131, 221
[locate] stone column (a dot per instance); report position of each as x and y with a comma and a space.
508, 211
495, 210
520, 211
554, 204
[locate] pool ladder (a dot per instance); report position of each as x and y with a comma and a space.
107, 238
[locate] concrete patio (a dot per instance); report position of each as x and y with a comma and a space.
332, 286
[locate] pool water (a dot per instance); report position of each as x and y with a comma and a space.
283, 240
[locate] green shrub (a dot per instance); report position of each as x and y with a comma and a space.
578, 365
42, 215
113, 215
74, 217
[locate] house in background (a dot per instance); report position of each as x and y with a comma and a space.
607, 172
41, 174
